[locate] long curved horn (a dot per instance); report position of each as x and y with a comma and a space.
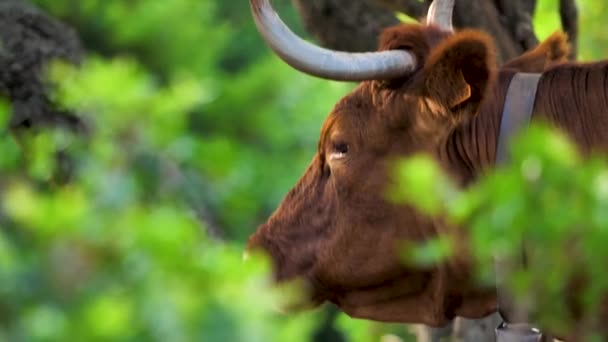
325, 63
440, 14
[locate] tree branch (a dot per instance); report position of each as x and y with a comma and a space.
517, 16
530, 7
569, 16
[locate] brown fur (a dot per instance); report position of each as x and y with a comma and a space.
553, 51
336, 229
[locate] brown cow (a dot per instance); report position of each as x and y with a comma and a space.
428, 90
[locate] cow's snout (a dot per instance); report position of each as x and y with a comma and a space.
260, 243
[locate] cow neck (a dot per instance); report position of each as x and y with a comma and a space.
471, 149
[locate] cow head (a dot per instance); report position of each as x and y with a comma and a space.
336, 228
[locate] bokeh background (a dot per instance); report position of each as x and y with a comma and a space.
130, 224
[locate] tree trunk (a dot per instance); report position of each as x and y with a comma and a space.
346, 25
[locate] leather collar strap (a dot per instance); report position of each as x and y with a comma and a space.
516, 115
517, 111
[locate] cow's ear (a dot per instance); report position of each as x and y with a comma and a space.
458, 73
554, 50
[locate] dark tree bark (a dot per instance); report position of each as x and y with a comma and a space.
30, 40
344, 24
569, 16
354, 25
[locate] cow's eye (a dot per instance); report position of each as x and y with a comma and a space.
338, 150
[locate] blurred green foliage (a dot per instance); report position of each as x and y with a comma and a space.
135, 231
119, 253
548, 200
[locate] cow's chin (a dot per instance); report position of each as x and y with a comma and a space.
295, 296
423, 307
297, 292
